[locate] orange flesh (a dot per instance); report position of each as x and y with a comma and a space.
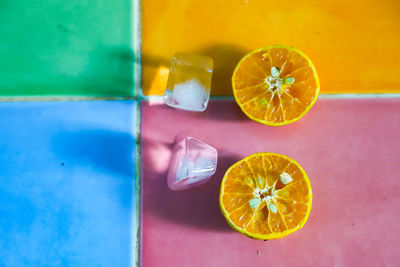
258, 176
274, 100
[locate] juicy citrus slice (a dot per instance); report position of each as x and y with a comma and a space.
266, 196
275, 85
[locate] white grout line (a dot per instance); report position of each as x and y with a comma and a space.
153, 98
388, 95
158, 98
137, 46
137, 91
62, 98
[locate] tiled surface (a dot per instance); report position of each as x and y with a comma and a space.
58, 47
353, 44
67, 183
350, 150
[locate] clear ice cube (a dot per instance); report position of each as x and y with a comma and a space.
193, 163
189, 82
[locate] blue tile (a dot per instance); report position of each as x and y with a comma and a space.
67, 183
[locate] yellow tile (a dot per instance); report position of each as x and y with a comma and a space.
353, 44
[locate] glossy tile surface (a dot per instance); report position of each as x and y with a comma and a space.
353, 44
350, 151
67, 183
73, 48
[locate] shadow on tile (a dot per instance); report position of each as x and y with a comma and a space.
197, 207
110, 151
225, 56
220, 110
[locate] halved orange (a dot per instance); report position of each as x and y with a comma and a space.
275, 85
266, 196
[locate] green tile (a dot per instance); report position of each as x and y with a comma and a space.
72, 48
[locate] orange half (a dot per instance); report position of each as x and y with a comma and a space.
266, 196
275, 85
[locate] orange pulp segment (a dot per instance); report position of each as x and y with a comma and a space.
266, 196
275, 85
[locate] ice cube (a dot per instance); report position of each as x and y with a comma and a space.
189, 82
182, 171
190, 95
203, 166
193, 163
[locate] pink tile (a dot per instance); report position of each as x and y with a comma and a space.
350, 149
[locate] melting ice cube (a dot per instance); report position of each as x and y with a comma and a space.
193, 163
189, 82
